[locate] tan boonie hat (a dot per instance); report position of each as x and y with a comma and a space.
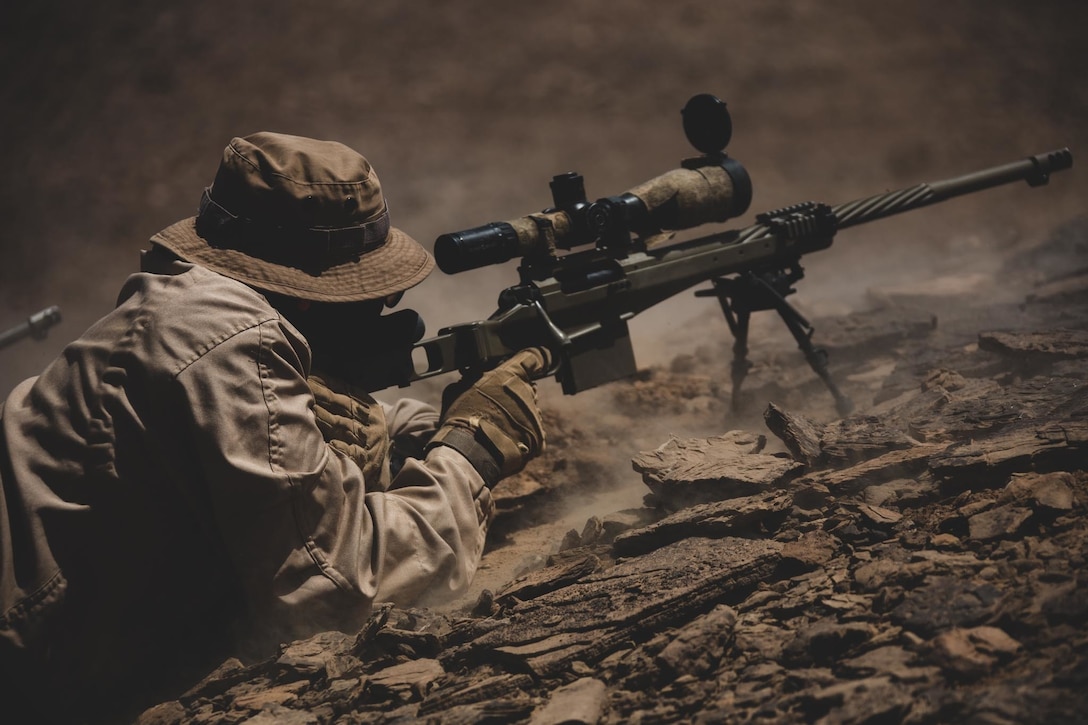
300, 217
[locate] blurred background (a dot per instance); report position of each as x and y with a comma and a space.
115, 114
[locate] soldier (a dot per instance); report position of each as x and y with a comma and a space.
181, 480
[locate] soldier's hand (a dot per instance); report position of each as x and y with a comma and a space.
495, 423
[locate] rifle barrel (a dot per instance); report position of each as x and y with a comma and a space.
35, 326
1035, 170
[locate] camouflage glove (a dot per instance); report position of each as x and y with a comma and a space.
495, 423
351, 422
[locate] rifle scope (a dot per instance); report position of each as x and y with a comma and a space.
709, 188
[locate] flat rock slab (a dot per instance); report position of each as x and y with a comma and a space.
839, 443
590, 618
860, 438
979, 409
1072, 433
409, 680
548, 579
658, 578
504, 693
1024, 448
1054, 344
735, 516
698, 470
887, 467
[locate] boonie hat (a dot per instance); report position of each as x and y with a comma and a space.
300, 217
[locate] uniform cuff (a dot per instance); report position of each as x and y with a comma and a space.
464, 442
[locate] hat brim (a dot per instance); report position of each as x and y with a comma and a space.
400, 263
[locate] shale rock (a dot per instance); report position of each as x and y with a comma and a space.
685, 472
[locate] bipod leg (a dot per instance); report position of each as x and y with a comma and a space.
741, 364
737, 319
802, 331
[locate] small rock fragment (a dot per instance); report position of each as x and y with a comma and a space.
582, 701
698, 646
998, 522
971, 653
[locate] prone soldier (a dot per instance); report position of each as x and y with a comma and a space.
187, 479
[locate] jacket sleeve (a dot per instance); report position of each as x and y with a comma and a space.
411, 425
410, 418
313, 548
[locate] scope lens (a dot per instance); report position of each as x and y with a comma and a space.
493, 243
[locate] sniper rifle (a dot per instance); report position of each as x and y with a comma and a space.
577, 302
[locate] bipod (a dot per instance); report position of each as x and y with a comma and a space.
749, 292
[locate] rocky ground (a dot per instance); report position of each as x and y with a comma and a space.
920, 560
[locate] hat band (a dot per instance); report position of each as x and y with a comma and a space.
302, 246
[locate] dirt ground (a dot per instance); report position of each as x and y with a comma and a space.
116, 113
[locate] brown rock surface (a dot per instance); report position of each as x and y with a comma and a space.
698, 470
922, 561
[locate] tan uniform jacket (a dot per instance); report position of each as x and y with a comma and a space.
167, 471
